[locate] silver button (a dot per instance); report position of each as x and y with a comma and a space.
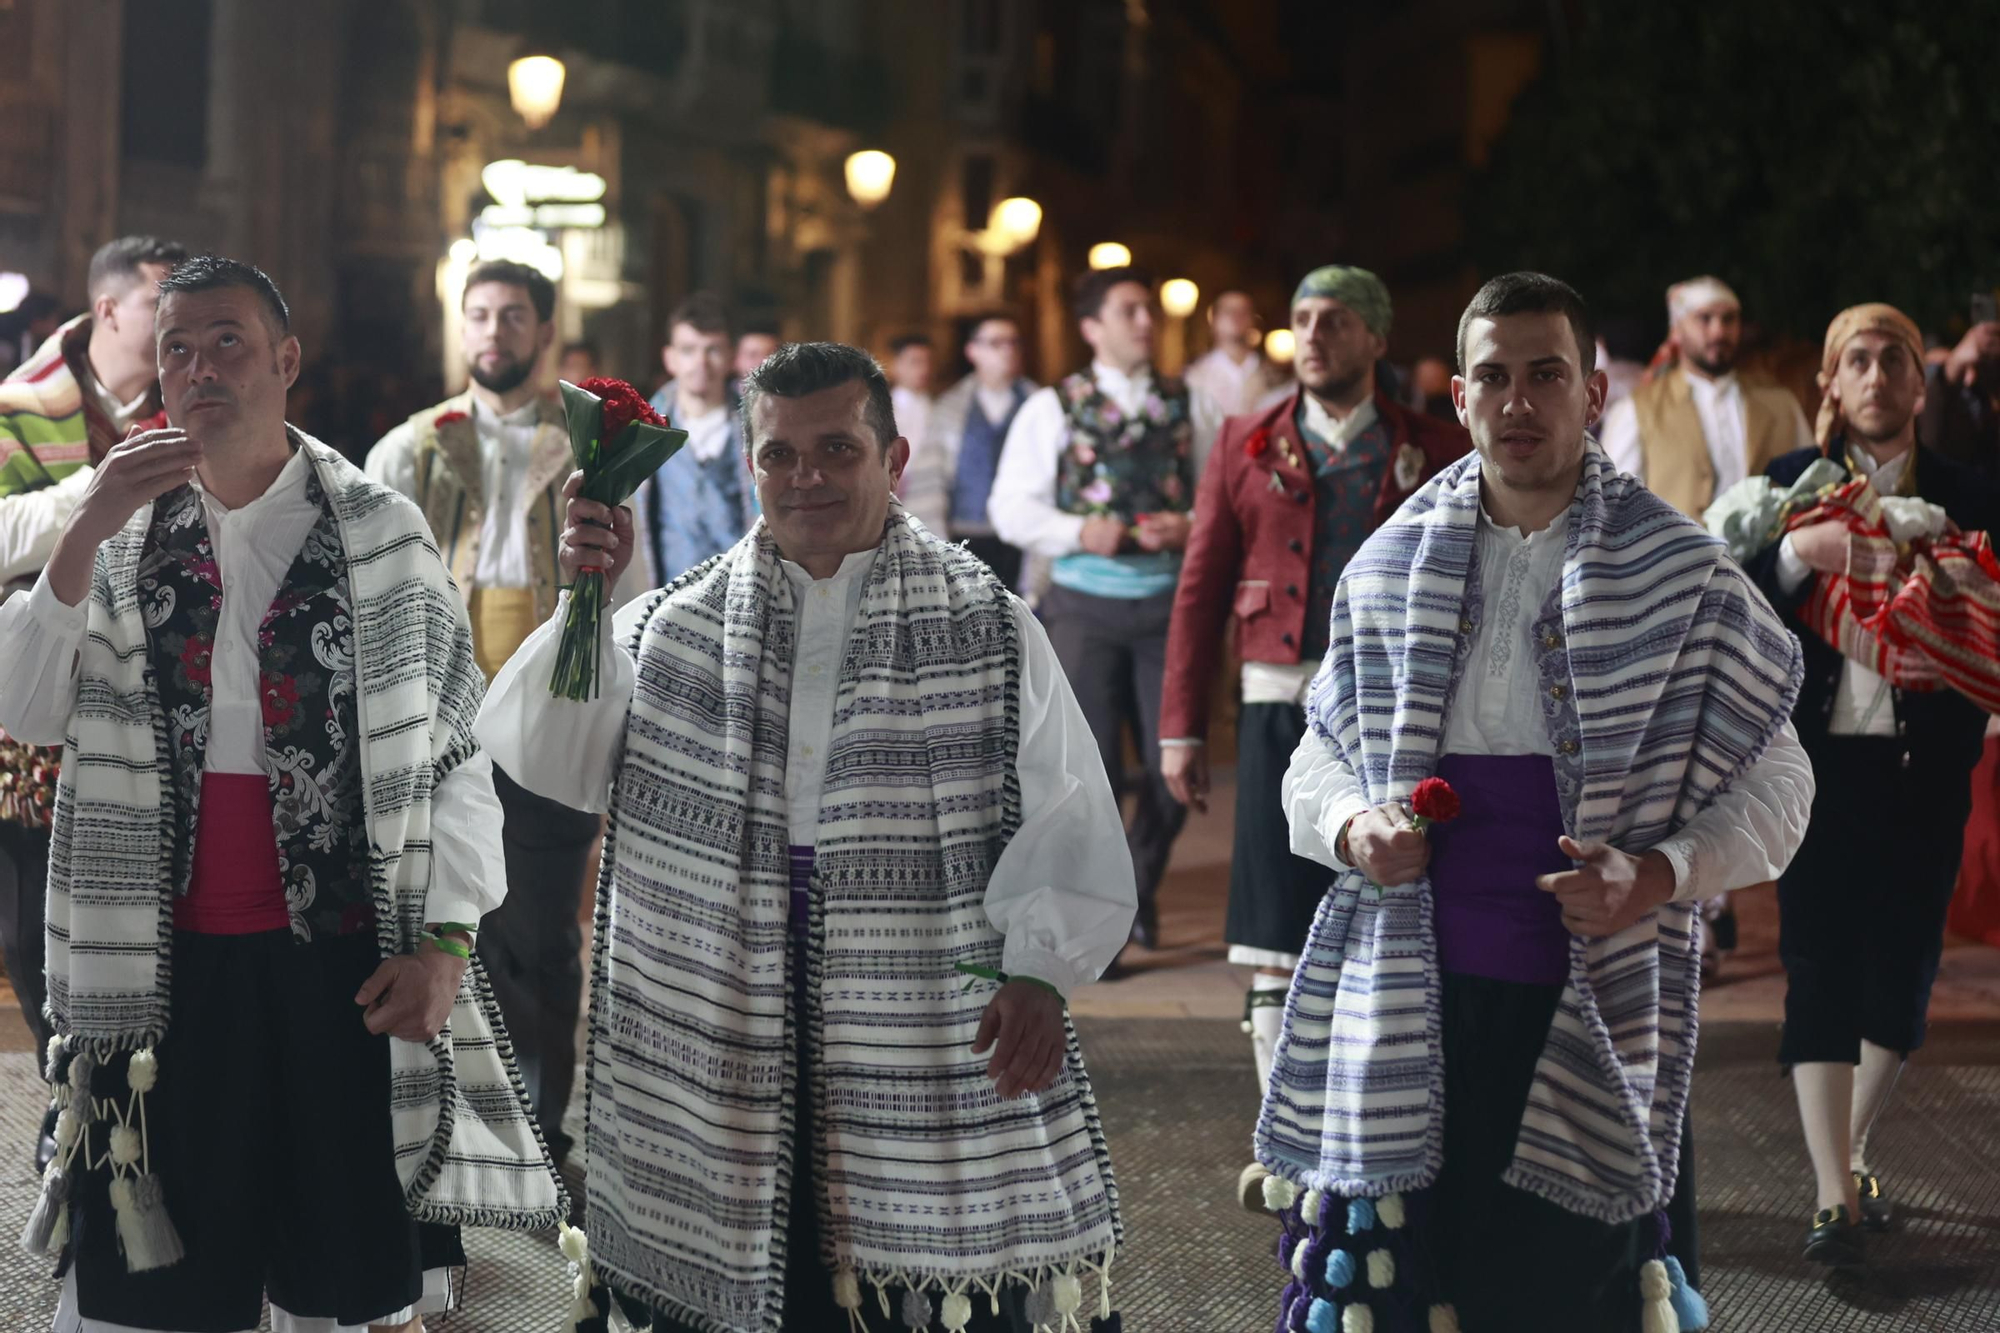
806, 750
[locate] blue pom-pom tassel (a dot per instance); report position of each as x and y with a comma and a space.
1339, 1269
1360, 1216
1322, 1318
1690, 1310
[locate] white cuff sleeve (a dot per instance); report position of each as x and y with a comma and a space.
468, 864
39, 638
1792, 571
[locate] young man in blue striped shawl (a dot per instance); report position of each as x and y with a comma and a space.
849, 792
282, 1074
1477, 1099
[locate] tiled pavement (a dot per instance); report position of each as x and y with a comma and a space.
1173, 1075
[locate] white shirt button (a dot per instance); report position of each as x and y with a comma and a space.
806, 750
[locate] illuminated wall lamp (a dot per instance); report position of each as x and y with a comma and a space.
535, 83
870, 174
1110, 254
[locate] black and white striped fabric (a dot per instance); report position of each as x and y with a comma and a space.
466, 1148
1665, 675
924, 1176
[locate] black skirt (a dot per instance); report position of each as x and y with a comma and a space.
269, 1129
1273, 895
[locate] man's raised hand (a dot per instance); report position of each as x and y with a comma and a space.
595, 535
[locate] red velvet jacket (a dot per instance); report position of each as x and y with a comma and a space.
1250, 551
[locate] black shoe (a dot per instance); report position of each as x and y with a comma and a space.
1875, 1210
45, 1147
1834, 1238
1723, 928
1146, 926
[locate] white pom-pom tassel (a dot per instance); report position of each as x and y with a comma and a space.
142, 1071
124, 1145
69, 1128
1444, 1319
1068, 1294
1309, 1207
50, 1213
143, 1225
54, 1054
1656, 1296
1381, 1270
81, 1066
1357, 1319
846, 1289
1299, 1260
1390, 1211
574, 1244
956, 1312
1279, 1193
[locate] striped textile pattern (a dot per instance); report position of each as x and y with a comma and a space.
1923, 617
466, 1148
1665, 675
923, 1176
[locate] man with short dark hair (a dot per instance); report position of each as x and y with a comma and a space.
278, 1062
848, 790
61, 411
756, 342
1235, 372
950, 477
702, 500
486, 467
910, 385
1098, 476
1497, 1015
580, 361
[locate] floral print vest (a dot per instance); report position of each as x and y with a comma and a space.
305, 652
1125, 465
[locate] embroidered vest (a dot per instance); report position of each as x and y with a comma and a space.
1345, 484
305, 654
1125, 465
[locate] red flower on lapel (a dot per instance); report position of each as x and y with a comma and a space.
1257, 444
446, 418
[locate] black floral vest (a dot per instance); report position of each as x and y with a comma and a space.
305, 652
1123, 465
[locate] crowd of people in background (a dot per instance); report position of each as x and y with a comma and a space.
1444, 571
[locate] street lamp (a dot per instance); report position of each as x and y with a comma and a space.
870, 173
1016, 221
1279, 344
535, 84
1179, 297
1110, 254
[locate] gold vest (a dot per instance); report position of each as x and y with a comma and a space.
1674, 452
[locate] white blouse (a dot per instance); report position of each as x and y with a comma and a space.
1062, 892
1747, 835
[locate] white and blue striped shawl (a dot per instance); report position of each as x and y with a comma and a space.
1667, 674
466, 1149
923, 1175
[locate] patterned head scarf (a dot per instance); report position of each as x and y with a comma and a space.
1356, 288
1696, 293
1874, 317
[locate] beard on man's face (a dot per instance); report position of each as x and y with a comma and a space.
1715, 365
503, 378
1336, 386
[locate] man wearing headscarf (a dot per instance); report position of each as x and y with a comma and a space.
1286, 499
1697, 426
1862, 912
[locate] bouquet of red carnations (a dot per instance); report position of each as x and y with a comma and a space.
618, 441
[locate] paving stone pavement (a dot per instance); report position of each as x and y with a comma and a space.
1178, 1099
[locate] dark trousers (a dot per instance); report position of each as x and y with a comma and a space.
533, 946
269, 1130
1273, 895
1861, 908
1506, 1258
24, 877
1114, 651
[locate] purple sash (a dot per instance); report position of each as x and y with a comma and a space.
1491, 919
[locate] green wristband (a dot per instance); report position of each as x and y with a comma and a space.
456, 948
454, 928
995, 974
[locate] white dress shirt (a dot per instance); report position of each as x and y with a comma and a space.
1864, 701
1718, 404
1023, 503
913, 414
1746, 835
1225, 379
708, 434
254, 547
505, 442
1062, 893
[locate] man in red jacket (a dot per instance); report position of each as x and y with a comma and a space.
1287, 497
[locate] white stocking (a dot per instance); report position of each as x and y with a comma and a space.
1266, 1022
1874, 1080
1826, 1095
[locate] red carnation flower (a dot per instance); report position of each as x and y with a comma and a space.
623, 405
1258, 442
446, 418
1433, 802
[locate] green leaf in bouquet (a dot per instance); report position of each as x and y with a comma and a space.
636, 455
583, 413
